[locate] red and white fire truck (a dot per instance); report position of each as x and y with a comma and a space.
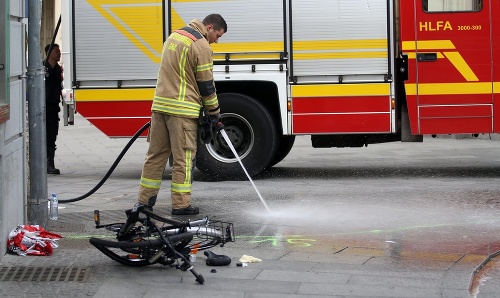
346, 72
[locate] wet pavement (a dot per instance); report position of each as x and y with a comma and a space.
389, 220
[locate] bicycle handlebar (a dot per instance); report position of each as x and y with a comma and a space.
176, 222
171, 221
198, 222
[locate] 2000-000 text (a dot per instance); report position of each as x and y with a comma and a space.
469, 28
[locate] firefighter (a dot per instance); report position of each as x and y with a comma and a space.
53, 87
184, 86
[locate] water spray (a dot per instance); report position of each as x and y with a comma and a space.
228, 141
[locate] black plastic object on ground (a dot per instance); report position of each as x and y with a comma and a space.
216, 260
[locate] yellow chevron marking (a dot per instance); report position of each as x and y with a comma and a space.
136, 20
458, 61
341, 90
176, 20
141, 21
452, 88
453, 56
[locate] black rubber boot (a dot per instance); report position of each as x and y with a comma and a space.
189, 210
51, 169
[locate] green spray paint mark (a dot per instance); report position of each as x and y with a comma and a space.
276, 240
306, 241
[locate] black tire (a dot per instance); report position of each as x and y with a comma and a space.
286, 144
113, 249
253, 134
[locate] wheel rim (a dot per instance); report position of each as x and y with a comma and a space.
240, 133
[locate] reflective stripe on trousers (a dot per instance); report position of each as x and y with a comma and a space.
174, 135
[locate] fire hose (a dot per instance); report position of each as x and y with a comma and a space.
206, 135
110, 171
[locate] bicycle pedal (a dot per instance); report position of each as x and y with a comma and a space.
97, 219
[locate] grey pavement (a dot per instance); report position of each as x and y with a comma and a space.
305, 251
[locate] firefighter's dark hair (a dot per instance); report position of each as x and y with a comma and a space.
217, 20
47, 47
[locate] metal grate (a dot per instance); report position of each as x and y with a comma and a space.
32, 274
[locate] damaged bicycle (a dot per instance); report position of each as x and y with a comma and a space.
147, 238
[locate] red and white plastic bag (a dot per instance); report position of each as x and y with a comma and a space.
32, 240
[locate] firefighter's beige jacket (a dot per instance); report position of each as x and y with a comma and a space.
185, 78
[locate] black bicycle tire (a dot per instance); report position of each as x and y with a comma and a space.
104, 244
139, 244
126, 244
121, 259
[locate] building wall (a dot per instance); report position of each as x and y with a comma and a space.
51, 10
13, 165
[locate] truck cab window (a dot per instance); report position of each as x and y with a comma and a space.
451, 5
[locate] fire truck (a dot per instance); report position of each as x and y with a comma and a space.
348, 73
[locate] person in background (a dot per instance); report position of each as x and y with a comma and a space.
185, 85
53, 87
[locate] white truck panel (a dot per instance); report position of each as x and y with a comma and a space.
266, 72
102, 50
248, 20
340, 37
328, 40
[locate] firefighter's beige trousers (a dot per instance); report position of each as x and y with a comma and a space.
169, 135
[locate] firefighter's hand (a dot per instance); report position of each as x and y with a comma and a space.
218, 127
215, 118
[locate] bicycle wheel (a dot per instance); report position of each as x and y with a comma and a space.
144, 251
205, 237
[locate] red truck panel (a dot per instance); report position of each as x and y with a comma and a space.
450, 69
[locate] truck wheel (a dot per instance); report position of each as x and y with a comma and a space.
253, 134
286, 144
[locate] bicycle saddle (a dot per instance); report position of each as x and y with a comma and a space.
216, 260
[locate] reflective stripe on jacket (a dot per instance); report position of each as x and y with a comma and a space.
185, 78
